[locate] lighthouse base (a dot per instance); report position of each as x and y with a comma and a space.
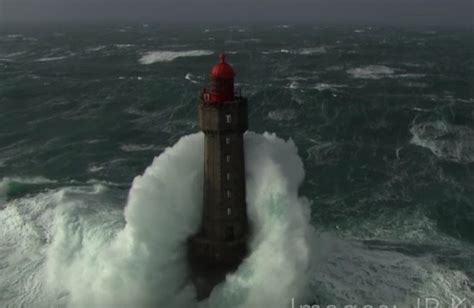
210, 262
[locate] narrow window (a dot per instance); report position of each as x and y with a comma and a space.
227, 140
228, 118
228, 176
229, 211
229, 194
227, 158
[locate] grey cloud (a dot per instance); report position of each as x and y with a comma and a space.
399, 12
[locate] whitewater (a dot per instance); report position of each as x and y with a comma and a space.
90, 256
75, 247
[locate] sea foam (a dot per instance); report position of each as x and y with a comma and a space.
7, 182
144, 263
48, 59
446, 141
75, 247
168, 56
371, 72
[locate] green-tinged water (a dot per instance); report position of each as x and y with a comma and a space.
383, 120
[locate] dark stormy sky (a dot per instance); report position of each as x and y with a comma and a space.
397, 12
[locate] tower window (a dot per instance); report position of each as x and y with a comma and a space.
229, 194
228, 176
227, 158
228, 118
227, 140
229, 211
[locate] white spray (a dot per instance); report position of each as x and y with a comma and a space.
144, 264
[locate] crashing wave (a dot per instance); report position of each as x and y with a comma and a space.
75, 247
446, 141
7, 183
144, 264
168, 56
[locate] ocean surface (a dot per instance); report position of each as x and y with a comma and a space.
379, 121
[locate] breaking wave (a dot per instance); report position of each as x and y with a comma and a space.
379, 72
56, 58
144, 263
446, 141
371, 72
75, 247
9, 184
168, 56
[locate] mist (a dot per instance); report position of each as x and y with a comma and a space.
401, 12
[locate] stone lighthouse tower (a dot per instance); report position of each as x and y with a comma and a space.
220, 245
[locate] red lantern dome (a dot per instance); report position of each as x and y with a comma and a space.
222, 83
222, 70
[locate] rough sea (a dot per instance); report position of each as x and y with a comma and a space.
360, 164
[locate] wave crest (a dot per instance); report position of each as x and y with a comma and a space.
8, 184
168, 56
371, 72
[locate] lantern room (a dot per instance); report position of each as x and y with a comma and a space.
222, 83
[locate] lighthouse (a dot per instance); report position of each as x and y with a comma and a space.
221, 243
